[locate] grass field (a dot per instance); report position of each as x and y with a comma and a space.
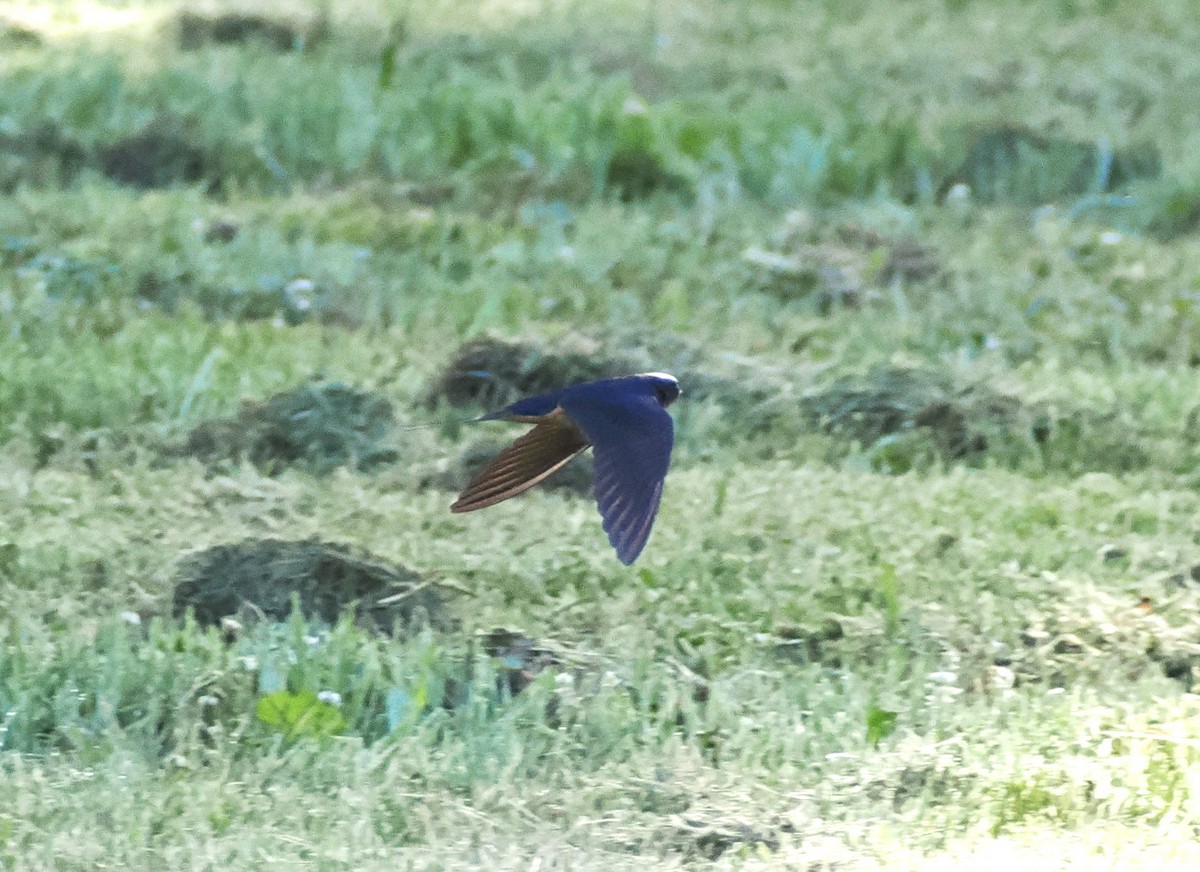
924, 592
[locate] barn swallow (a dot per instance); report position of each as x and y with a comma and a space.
624, 419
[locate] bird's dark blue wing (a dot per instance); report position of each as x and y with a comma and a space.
529, 409
632, 435
547, 447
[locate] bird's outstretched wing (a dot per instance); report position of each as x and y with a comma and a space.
547, 447
632, 435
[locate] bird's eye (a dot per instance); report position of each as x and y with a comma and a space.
666, 395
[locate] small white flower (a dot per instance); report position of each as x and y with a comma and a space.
633, 106
770, 260
1003, 678
944, 677
208, 701
299, 293
959, 196
331, 697
131, 618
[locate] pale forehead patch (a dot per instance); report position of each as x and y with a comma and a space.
665, 376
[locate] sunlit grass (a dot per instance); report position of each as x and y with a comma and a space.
862, 645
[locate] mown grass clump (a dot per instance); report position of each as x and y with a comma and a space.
320, 426
159, 155
903, 417
266, 579
197, 29
1011, 164
491, 372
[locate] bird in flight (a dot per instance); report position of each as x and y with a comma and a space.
624, 419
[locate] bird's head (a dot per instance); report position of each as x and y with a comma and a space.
666, 387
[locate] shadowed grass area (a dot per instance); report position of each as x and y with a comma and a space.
924, 590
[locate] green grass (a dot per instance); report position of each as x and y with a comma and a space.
923, 589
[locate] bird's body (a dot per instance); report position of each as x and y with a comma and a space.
624, 419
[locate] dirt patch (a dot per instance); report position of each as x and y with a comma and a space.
198, 29
220, 231
257, 579
828, 275
711, 839
320, 426
844, 266
519, 659
905, 259
491, 373
910, 260
516, 662
1085, 642
828, 644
